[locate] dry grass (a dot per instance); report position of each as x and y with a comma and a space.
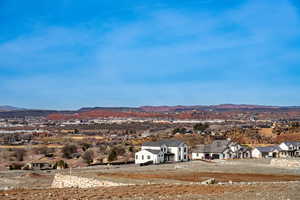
267, 132
84, 137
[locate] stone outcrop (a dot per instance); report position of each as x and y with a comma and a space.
209, 181
64, 181
290, 163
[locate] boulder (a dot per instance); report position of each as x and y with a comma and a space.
209, 181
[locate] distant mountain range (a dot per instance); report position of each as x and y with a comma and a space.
9, 108
143, 111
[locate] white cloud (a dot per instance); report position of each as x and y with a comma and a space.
164, 57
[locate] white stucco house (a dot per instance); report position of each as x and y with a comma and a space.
221, 149
162, 151
266, 152
285, 149
290, 149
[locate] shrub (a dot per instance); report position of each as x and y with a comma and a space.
85, 146
68, 150
200, 127
20, 154
120, 150
179, 130
112, 155
60, 165
15, 166
131, 149
44, 150
88, 156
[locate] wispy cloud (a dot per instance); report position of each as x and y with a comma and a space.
161, 56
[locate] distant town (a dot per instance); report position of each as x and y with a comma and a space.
97, 136
135, 153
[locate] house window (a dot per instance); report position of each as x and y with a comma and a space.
148, 157
197, 154
184, 157
142, 157
179, 157
184, 150
136, 156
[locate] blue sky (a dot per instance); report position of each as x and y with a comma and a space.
66, 54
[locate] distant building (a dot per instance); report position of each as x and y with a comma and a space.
162, 151
290, 148
221, 149
285, 149
37, 166
265, 152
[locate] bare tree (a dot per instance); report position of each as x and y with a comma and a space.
68, 150
88, 156
20, 154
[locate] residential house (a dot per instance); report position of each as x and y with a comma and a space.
162, 151
290, 149
266, 152
221, 149
37, 166
285, 149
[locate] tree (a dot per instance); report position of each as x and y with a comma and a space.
179, 130
60, 165
76, 131
131, 149
200, 127
68, 150
85, 146
19, 154
112, 155
88, 156
44, 150
120, 151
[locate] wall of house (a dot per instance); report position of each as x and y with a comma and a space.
185, 154
256, 153
284, 154
179, 153
283, 146
175, 151
145, 156
196, 156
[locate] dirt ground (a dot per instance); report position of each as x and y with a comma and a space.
167, 181
164, 192
267, 132
201, 176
